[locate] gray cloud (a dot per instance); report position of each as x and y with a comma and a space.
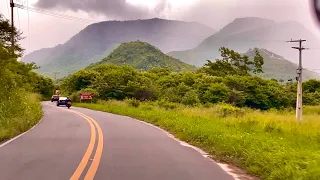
218, 13
118, 9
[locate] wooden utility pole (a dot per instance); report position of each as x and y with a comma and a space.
55, 75
12, 27
299, 79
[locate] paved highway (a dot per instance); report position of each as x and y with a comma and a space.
84, 144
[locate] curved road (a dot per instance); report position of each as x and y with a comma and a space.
86, 144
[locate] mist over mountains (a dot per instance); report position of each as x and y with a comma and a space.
96, 41
190, 42
245, 33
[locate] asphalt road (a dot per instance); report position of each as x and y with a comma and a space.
85, 144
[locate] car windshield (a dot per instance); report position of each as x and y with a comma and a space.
55, 96
62, 98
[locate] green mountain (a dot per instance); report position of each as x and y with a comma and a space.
143, 56
277, 67
97, 40
245, 33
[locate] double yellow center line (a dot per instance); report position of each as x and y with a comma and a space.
97, 156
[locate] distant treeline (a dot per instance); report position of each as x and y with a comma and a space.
227, 80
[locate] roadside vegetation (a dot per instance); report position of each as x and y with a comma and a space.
21, 89
268, 144
224, 108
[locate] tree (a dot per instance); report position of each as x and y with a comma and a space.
233, 63
217, 92
257, 62
5, 37
311, 86
191, 98
281, 81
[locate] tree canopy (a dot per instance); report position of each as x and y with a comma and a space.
16, 75
143, 56
231, 79
233, 63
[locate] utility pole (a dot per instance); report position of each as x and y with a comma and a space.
12, 27
299, 79
55, 75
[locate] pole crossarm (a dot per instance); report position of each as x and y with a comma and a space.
299, 79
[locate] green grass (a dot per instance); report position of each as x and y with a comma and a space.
315, 110
18, 113
270, 145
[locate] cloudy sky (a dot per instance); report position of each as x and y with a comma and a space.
47, 31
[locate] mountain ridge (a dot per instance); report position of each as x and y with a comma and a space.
143, 56
267, 34
97, 40
277, 67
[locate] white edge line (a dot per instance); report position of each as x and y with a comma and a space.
224, 167
16, 137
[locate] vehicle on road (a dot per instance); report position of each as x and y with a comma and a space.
62, 101
54, 98
68, 104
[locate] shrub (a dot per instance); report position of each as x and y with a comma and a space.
191, 98
225, 110
217, 92
167, 105
133, 102
312, 98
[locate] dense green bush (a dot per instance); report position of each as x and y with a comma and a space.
191, 98
225, 110
167, 105
133, 102
217, 92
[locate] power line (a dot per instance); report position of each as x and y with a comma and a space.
12, 26
55, 14
8, 8
29, 37
18, 18
63, 16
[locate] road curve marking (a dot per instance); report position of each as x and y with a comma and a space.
76, 175
98, 153
97, 157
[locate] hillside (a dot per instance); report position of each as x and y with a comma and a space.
277, 67
245, 33
143, 56
97, 40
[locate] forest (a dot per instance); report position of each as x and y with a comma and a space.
231, 79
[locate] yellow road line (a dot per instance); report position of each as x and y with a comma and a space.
97, 157
76, 175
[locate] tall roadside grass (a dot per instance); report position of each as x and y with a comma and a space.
315, 110
19, 111
270, 145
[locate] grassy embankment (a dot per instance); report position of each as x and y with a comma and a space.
270, 145
18, 113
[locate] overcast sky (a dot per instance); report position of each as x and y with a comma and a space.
47, 31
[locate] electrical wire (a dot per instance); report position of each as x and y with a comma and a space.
55, 14
8, 9
18, 18
67, 17
29, 37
